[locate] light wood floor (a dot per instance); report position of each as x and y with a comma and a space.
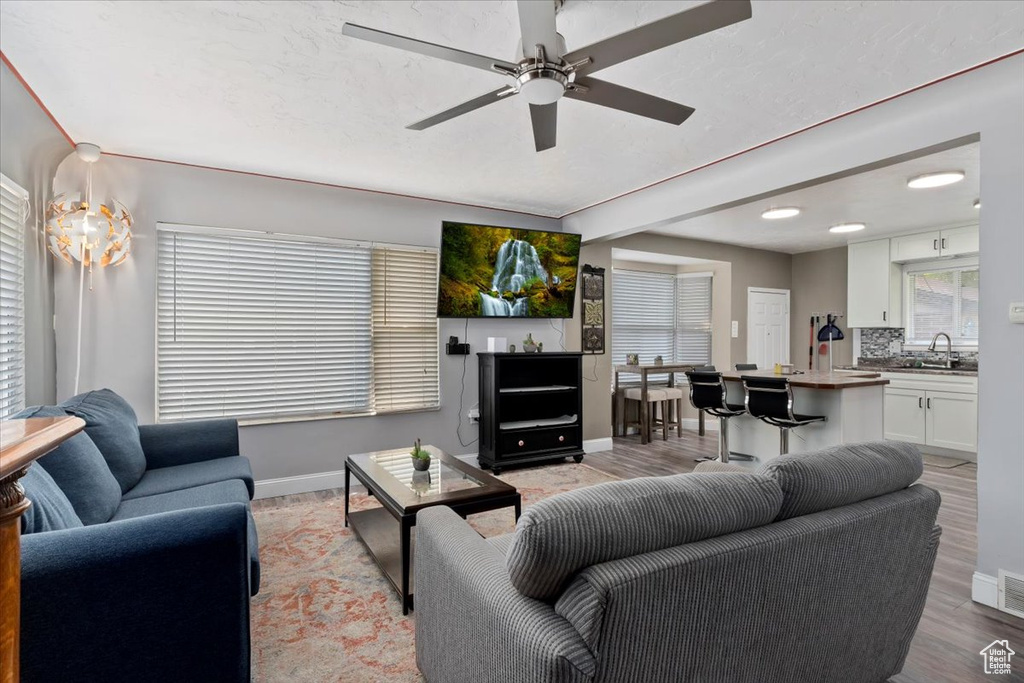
953, 629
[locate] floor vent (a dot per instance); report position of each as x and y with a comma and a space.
1011, 593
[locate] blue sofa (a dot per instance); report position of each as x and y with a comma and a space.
139, 552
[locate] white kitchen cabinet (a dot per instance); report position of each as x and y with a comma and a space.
952, 420
935, 244
932, 410
874, 286
959, 241
905, 415
916, 247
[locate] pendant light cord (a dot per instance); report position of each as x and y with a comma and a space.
81, 292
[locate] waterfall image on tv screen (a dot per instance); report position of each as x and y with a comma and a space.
496, 272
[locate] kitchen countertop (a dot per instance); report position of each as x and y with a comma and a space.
916, 371
817, 380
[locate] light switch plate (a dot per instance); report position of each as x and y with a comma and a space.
735, 329
1017, 312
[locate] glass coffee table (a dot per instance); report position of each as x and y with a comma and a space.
402, 492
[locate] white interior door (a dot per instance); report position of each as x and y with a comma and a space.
767, 327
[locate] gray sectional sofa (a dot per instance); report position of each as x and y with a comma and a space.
813, 568
139, 552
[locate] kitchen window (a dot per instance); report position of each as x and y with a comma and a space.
13, 214
942, 299
661, 314
270, 327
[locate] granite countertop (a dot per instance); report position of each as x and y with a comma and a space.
816, 379
968, 372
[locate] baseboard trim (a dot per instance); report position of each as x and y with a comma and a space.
985, 590
694, 424
598, 445
303, 483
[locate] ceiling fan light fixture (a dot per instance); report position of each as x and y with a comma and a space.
847, 227
543, 86
935, 179
774, 214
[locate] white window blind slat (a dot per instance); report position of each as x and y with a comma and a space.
405, 341
13, 214
261, 326
660, 314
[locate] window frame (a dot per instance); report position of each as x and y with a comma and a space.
314, 415
910, 269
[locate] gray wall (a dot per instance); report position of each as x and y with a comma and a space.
819, 286
31, 150
120, 319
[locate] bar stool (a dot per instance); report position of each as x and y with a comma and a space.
708, 394
665, 397
770, 399
746, 366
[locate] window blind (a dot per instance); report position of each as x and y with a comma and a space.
261, 326
943, 300
13, 213
405, 342
643, 316
693, 319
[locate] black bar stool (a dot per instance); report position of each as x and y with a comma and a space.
708, 394
770, 399
746, 366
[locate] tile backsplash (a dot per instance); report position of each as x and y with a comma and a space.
887, 342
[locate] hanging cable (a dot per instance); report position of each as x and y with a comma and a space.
462, 394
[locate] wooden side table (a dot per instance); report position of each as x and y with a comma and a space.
21, 443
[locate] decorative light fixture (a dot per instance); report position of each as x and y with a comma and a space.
77, 229
780, 212
935, 179
847, 227
977, 203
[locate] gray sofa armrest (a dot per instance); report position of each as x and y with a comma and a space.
472, 625
182, 443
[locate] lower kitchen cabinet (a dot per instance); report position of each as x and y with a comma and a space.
944, 419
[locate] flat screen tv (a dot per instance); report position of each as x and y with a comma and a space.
492, 272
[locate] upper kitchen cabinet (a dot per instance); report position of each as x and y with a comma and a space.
935, 244
874, 286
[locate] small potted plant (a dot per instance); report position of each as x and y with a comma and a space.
420, 457
529, 346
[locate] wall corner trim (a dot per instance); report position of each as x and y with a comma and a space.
985, 590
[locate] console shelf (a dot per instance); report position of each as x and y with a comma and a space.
531, 408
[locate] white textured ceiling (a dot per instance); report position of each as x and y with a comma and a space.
880, 199
275, 88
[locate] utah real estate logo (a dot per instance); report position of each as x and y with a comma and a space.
997, 657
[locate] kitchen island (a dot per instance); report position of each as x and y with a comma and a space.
853, 402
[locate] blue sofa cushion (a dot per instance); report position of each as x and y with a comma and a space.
113, 426
233, 491
166, 479
80, 471
50, 510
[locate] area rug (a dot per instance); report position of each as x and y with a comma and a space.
326, 613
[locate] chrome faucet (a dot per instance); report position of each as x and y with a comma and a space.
949, 346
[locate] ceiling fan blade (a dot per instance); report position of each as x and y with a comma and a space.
537, 23
464, 108
545, 124
424, 48
633, 101
658, 34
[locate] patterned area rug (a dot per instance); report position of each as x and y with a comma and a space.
326, 613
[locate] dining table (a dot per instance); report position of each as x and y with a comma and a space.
646, 370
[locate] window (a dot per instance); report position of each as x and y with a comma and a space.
942, 300
271, 326
405, 375
13, 214
660, 314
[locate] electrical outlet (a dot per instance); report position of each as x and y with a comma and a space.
735, 329
473, 415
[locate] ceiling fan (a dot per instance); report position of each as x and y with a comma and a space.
547, 71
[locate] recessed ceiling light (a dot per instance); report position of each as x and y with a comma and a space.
977, 203
781, 212
847, 227
935, 179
